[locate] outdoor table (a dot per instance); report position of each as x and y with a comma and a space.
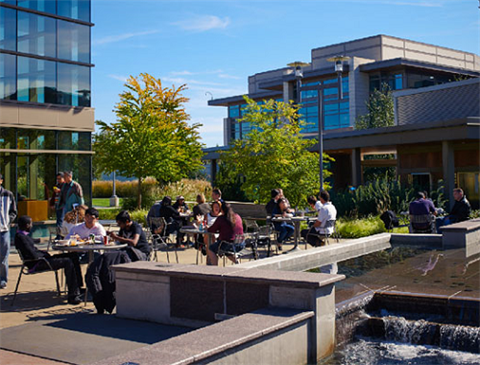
296, 224
90, 249
193, 230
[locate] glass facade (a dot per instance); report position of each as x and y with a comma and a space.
393, 80
45, 78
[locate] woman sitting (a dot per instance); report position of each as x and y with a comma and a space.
228, 225
72, 219
284, 229
172, 218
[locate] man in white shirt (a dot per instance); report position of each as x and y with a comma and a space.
90, 226
320, 229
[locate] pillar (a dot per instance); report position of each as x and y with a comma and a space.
356, 166
213, 171
448, 163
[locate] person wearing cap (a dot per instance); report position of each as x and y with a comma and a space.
55, 200
70, 194
8, 212
181, 207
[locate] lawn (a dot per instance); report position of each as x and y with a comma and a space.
103, 202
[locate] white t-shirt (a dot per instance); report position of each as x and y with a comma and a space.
85, 232
326, 213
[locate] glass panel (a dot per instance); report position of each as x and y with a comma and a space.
73, 85
7, 168
36, 34
234, 111
331, 121
75, 141
8, 29
7, 138
10, 2
73, 41
47, 6
330, 94
36, 80
398, 82
76, 9
8, 71
34, 173
36, 139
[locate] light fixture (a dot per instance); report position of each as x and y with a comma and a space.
297, 66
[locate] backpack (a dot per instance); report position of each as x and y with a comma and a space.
389, 219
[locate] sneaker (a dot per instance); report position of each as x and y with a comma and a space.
75, 300
3, 284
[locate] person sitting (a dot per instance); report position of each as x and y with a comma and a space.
275, 195
217, 196
228, 225
172, 218
215, 211
202, 208
316, 234
285, 230
73, 218
418, 210
132, 234
314, 203
460, 211
287, 202
89, 227
180, 205
154, 212
67, 261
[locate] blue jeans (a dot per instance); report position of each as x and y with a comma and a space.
285, 231
59, 213
443, 221
4, 253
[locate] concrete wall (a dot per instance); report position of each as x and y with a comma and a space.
47, 117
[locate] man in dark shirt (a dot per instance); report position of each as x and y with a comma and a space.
275, 195
421, 207
68, 261
172, 218
459, 213
132, 234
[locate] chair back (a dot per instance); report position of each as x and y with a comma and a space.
251, 225
421, 219
330, 224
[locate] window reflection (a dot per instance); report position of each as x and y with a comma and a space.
35, 139
8, 29
73, 41
36, 80
47, 6
8, 70
75, 9
73, 85
36, 34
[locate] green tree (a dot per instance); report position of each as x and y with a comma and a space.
380, 110
273, 154
151, 136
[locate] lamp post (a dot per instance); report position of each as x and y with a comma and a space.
114, 201
299, 75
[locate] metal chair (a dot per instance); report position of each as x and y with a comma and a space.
26, 271
226, 248
323, 237
423, 223
162, 238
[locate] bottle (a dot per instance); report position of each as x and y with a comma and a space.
205, 221
92, 239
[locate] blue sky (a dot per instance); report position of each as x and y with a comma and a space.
213, 46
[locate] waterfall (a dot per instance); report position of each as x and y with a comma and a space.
401, 330
462, 338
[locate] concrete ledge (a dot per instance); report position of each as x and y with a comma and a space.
274, 336
429, 240
320, 256
463, 235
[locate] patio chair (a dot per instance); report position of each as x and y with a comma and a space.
323, 237
264, 235
162, 238
52, 235
26, 271
423, 223
230, 248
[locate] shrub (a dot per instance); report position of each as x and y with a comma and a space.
136, 215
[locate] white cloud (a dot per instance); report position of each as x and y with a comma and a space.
203, 23
122, 37
231, 77
181, 73
118, 77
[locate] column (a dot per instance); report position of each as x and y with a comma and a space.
448, 163
213, 171
356, 166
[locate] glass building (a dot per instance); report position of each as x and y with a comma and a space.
46, 122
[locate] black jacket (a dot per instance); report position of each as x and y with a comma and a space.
26, 246
168, 212
461, 210
100, 279
201, 209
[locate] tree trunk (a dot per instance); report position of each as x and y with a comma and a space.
139, 194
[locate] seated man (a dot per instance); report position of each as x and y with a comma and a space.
154, 212
420, 208
320, 230
285, 230
68, 261
89, 227
172, 218
275, 195
132, 234
460, 212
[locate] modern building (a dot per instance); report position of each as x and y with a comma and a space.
46, 119
423, 79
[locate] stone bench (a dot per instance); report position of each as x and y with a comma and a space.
463, 235
269, 336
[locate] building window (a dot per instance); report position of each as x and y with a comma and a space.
7, 138
36, 34
394, 81
309, 115
8, 29
35, 139
47, 6
75, 9
73, 41
336, 115
8, 70
234, 111
73, 85
75, 141
36, 80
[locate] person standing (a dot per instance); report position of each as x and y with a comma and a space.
8, 212
70, 194
54, 203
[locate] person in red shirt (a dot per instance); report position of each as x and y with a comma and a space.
228, 226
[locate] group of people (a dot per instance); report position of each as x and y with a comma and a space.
422, 206
218, 218
279, 206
